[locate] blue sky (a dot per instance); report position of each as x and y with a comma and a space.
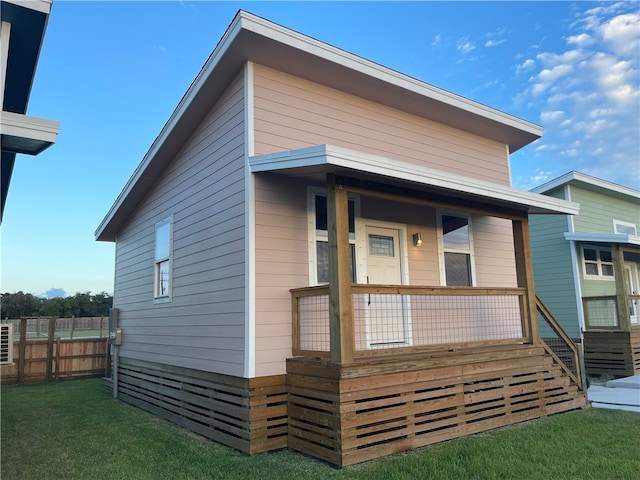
112, 73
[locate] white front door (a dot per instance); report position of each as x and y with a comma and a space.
631, 279
387, 315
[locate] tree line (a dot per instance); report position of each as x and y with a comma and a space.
20, 304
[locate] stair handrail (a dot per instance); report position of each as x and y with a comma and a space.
557, 328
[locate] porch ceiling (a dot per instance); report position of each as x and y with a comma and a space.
313, 163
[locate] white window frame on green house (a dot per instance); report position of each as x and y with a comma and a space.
317, 236
445, 248
163, 260
625, 228
603, 267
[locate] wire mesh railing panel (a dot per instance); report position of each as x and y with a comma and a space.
600, 312
313, 317
558, 341
390, 321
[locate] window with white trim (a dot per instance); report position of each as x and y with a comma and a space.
319, 236
456, 258
597, 262
163, 258
624, 228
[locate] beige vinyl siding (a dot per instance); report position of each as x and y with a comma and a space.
203, 188
494, 254
293, 113
281, 254
597, 211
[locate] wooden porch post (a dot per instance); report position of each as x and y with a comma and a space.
524, 272
622, 302
340, 307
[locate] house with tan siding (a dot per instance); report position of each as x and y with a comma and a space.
320, 253
587, 270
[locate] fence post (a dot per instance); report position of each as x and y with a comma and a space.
58, 347
73, 325
22, 350
50, 338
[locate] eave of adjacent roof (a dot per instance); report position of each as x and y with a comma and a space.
252, 38
590, 183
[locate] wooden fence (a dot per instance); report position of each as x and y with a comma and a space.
52, 358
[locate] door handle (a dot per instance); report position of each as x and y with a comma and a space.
369, 300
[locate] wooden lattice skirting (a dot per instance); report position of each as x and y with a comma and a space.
352, 413
247, 414
612, 353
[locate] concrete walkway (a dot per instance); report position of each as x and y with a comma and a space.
620, 394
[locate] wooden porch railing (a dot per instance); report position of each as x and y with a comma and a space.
392, 320
560, 346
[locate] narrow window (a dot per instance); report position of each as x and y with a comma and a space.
163, 249
320, 253
624, 228
456, 250
597, 262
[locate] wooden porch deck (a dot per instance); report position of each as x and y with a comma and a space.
350, 413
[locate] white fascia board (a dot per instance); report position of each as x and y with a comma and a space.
588, 180
341, 57
42, 6
619, 238
369, 163
33, 128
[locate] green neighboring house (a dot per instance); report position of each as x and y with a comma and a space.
587, 269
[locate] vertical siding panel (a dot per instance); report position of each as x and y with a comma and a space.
203, 188
293, 113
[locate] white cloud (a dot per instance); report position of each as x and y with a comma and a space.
622, 33
548, 76
589, 96
551, 116
528, 64
493, 43
582, 40
465, 46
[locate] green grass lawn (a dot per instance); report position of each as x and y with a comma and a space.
75, 430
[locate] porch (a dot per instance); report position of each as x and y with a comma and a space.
378, 369
611, 341
612, 322
466, 363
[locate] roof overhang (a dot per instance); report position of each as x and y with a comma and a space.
25, 22
28, 135
250, 38
617, 238
589, 183
313, 163
28, 19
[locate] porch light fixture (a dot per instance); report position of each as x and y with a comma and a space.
417, 239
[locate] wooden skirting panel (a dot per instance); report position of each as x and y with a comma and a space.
247, 414
612, 353
357, 412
